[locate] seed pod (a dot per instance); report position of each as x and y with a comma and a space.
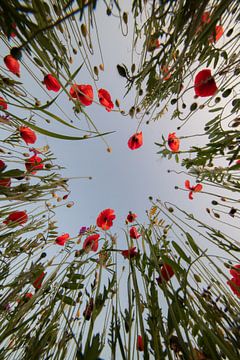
132, 111
133, 68
84, 30
69, 205
109, 11
95, 70
74, 51
125, 18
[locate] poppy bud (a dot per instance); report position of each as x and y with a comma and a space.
101, 67
16, 53
12, 64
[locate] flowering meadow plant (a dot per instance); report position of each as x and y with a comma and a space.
160, 283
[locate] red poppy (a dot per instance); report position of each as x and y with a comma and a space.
205, 18
217, 34
130, 253
28, 135
131, 217
166, 273
38, 282
165, 70
105, 219
62, 239
134, 233
235, 271
105, 99
16, 218
173, 142
3, 104
5, 182
83, 93
27, 296
51, 83
91, 242
135, 141
2, 165
140, 345
204, 84
33, 164
12, 64
153, 44
192, 189
234, 284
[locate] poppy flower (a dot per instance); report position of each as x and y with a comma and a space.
205, 18
131, 217
13, 33
234, 284
51, 83
33, 164
2, 165
105, 99
134, 233
235, 271
173, 142
62, 239
27, 297
83, 93
16, 218
166, 273
217, 34
105, 219
135, 141
5, 182
130, 253
140, 345
153, 44
12, 64
28, 135
91, 242
192, 189
165, 71
3, 104
38, 282
204, 84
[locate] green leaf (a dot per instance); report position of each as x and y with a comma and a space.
67, 299
94, 349
75, 277
60, 136
12, 173
192, 243
72, 286
181, 252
